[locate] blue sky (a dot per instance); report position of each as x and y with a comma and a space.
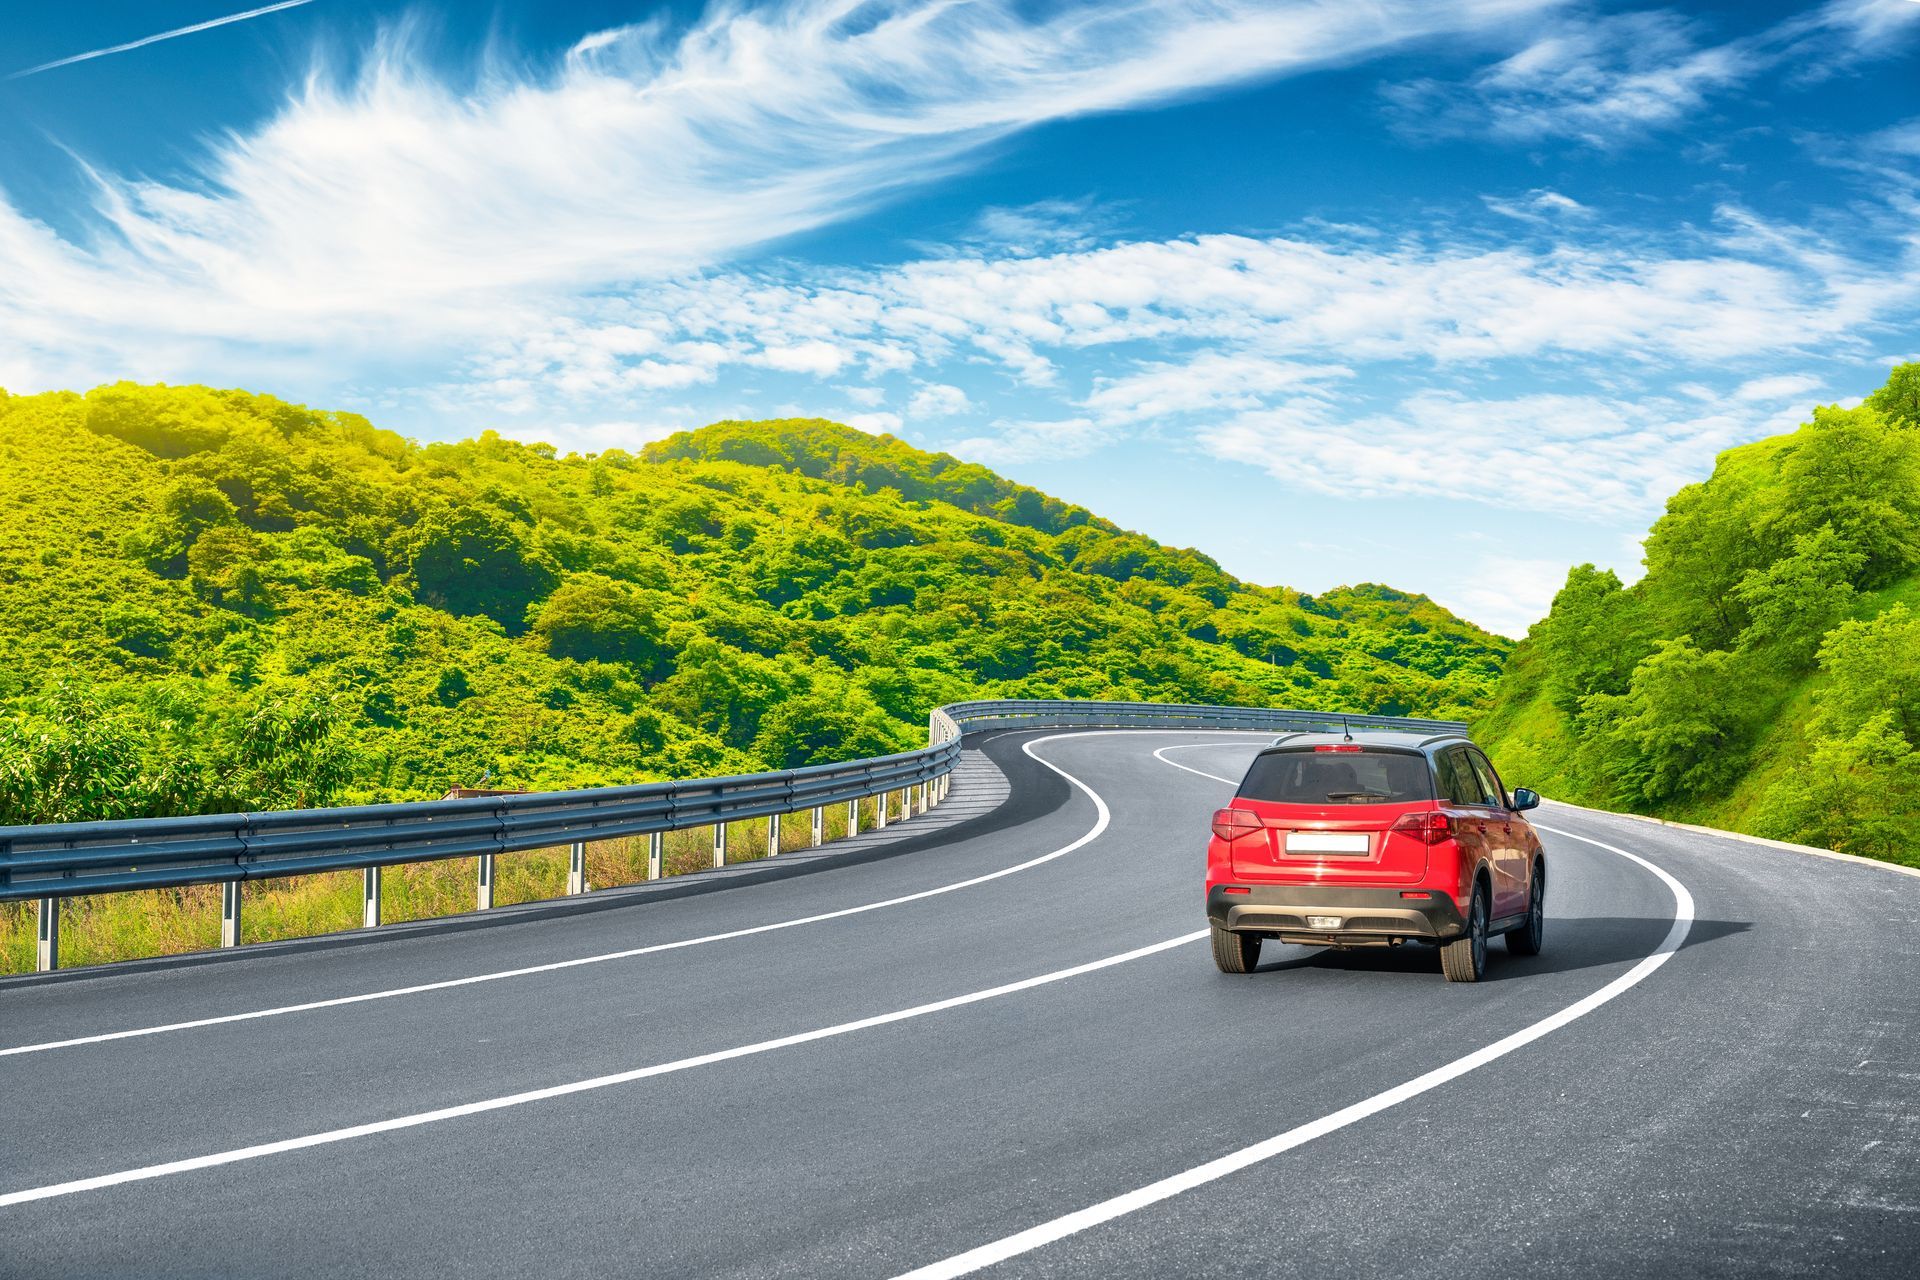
1443, 295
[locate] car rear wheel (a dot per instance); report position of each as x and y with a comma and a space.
1525, 941
1465, 958
1235, 952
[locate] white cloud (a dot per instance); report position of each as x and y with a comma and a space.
875, 423
1210, 382
1539, 205
1507, 594
1015, 442
1605, 79
1785, 386
1215, 323
821, 359
1592, 79
1579, 456
388, 214
938, 400
1290, 353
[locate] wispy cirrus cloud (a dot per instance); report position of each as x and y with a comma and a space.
1604, 79
396, 209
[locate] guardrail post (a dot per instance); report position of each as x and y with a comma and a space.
577, 868
230, 913
48, 958
486, 882
719, 844
853, 817
924, 806
819, 826
880, 812
773, 835
370, 898
656, 846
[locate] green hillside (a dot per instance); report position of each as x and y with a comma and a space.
1764, 675
213, 600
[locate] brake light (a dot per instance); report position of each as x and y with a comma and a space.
1231, 824
1336, 746
1429, 825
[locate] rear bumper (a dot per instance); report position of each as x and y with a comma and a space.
1368, 917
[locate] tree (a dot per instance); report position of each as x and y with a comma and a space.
187, 508
1681, 730
1855, 794
1872, 667
474, 560
1793, 601
1848, 472
1591, 638
1899, 400
593, 618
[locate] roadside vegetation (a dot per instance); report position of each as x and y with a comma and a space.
1764, 674
215, 600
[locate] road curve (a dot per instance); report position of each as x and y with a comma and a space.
885, 1091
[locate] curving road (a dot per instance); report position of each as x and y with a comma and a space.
1020, 1063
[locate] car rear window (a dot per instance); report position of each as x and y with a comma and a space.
1306, 776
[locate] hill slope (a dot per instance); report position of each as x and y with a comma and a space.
1765, 674
213, 599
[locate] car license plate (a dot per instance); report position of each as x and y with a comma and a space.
1327, 842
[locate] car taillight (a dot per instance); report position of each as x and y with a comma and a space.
1231, 824
1338, 746
1429, 826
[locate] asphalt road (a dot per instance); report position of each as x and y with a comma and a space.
882, 1091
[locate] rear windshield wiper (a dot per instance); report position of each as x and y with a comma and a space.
1358, 795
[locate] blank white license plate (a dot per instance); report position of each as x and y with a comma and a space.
1326, 842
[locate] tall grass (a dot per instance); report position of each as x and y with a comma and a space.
105, 927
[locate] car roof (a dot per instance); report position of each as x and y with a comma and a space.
1396, 739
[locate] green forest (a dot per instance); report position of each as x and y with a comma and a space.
1764, 674
216, 600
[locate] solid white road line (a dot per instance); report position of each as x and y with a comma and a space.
1100, 825
1188, 746
1059, 1228
260, 1150
579, 1086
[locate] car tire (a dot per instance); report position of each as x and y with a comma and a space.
1465, 958
1235, 952
1526, 940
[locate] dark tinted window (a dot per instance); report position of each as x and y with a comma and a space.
1306, 776
1457, 781
1488, 778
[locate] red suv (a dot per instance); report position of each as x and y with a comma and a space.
1375, 839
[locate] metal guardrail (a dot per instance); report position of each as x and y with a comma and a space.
56, 860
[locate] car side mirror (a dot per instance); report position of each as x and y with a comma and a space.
1525, 799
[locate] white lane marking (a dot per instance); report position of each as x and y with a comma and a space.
1186, 746
579, 1086
335, 1002
1059, 1228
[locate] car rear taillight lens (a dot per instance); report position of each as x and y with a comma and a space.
1428, 826
1338, 746
1231, 824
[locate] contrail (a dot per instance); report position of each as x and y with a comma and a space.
164, 35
